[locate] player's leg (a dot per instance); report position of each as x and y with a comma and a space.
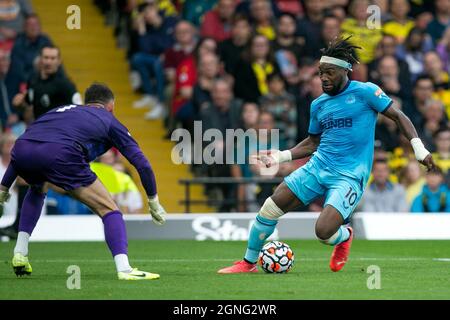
282, 201
330, 228
29, 216
96, 197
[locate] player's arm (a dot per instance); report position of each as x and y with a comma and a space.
8, 179
304, 149
129, 148
408, 130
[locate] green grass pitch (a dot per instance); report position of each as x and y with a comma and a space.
408, 269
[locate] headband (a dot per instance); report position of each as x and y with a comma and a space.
337, 62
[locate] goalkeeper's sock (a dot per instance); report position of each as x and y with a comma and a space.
261, 229
22, 243
31, 210
29, 216
116, 239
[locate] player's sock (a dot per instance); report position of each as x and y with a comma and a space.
340, 236
262, 228
22, 243
116, 238
29, 216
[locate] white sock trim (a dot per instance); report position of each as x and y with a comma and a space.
22, 243
122, 263
270, 210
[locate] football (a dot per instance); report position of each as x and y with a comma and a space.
276, 257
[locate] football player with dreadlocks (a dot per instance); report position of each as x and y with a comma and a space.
341, 145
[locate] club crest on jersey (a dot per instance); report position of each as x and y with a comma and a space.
350, 99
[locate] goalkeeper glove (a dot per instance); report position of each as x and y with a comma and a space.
4, 197
157, 211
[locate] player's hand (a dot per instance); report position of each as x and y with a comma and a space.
428, 162
18, 100
157, 211
270, 158
4, 197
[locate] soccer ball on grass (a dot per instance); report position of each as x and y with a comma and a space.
276, 257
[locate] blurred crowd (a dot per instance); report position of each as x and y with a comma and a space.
33, 81
253, 64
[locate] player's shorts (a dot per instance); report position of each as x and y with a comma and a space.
314, 180
62, 165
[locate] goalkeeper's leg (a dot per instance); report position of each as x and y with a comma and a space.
100, 201
29, 216
282, 201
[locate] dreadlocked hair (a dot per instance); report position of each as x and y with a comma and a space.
341, 49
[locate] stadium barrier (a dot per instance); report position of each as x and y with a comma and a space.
236, 226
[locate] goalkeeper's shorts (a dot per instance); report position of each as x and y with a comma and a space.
63, 165
313, 180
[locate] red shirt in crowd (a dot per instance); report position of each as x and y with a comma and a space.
214, 27
185, 77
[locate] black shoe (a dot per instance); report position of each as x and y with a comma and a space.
9, 232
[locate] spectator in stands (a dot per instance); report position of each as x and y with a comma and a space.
313, 89
12, 17
422, 92
230, 50
48, 88
185, 78
207, 72
253, 69
28, 45
400, 24
241, 167
331, 29
435, 195
388, 47
382, 195
389, 79
7, 141
386, 130
442, 155
412, 179
183, 48
11, 82
217, 23
263, 18
288, 51
222, 113
441, 79
440, 21
224, 110
194, 10
443, 50
309, 27
417, 43
155, 36
282, 106
356, 26
434, 119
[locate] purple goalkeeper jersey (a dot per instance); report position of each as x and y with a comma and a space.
93, 129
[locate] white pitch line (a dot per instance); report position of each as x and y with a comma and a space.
230, 260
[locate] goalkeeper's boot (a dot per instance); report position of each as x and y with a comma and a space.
341, 252
21, 265
241, 266
136, 274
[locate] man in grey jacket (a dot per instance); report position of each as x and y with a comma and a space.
383, 195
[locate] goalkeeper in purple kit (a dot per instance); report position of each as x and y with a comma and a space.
57, 148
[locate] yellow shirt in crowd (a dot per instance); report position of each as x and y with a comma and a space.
363, 37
